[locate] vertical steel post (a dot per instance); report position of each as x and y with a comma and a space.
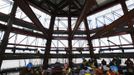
130, 24
48, 43
89, 39
4, 42
70, 42
69, 35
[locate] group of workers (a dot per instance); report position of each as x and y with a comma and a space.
90, 67
56, 69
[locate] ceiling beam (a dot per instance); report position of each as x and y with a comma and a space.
114, 25
43, 9
62, 4
98, 9
106, 6
51, 5
89, 4
24, 6
78, 4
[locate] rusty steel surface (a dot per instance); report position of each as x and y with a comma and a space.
79, 9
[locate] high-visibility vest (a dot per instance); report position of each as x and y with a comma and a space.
87, 74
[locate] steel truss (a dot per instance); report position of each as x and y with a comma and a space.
117, 27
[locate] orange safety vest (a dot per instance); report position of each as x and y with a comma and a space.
112, 73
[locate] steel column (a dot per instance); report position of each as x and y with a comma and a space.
70, 41
130, 23
124, 6
89, 39
48, 43
69, 35
89, 4
7, 32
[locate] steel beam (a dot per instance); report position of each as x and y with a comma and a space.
38, 35
10, 56
98, 9
7, 32
113, 49
114, 25
124, 6
119, 31
48, 43
101, 8
24, 6
24, 45
74, 48
19, 22
89, 4
63, 49
28, 25
43, 9
89, 39
52, 6
23, 31
22, 23
23, 49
